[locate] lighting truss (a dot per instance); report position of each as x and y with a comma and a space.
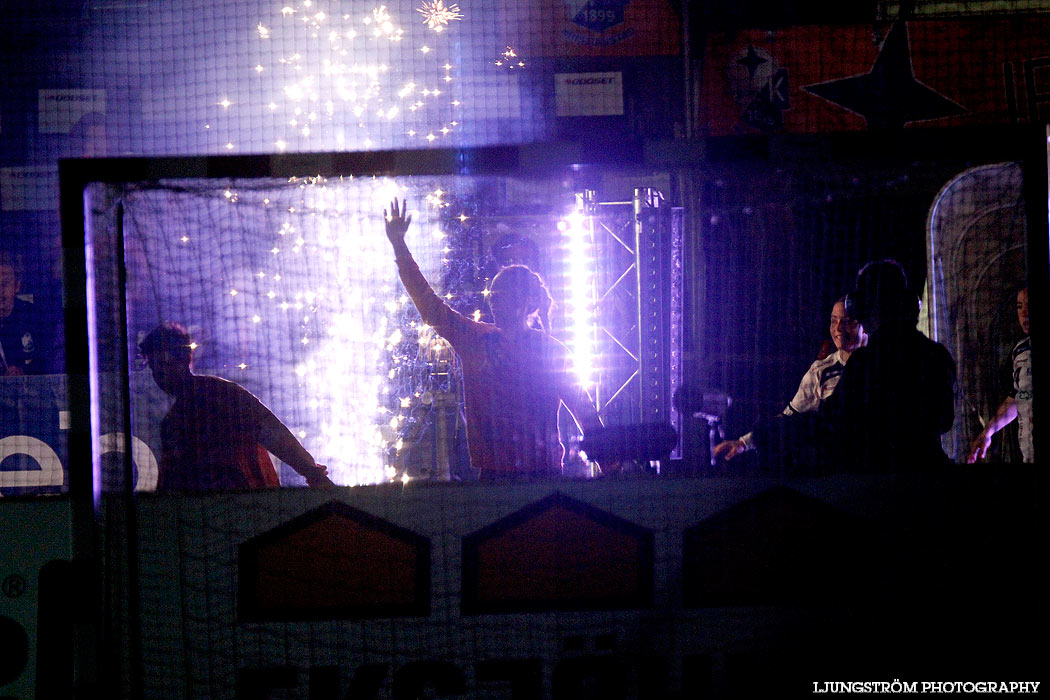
627, 285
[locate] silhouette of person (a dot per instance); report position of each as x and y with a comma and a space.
26, 341
515, 376
216, 434
897, 395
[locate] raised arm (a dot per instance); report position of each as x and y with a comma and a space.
431, 307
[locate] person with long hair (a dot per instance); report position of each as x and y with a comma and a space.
516, 376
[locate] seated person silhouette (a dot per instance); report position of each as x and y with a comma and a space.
216, 434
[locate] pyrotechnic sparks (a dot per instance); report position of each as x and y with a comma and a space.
437, 16
323, 73
325, 287
510, 60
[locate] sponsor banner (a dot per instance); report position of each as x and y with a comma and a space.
30, 188
34, 420
591, 28
921, 73
60, 110
588, 94
33, 425
642, 587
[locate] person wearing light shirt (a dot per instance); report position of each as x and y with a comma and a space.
818, 382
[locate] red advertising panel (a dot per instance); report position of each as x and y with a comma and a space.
333, 562
557, 554
919, 73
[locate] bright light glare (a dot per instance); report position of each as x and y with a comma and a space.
312, 317
579, 235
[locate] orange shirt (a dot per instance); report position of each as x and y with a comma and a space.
513, 386
210, 440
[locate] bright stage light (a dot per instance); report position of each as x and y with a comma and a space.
578, 233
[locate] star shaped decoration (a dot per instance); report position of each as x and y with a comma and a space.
751, 60
888, 96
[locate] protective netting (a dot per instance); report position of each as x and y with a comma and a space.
725, 564
289, 289
214, 78
830, 218
302, 592
118, 79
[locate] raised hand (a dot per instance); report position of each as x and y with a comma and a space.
397, 221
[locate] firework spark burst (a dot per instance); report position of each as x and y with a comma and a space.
328, 78
509, 59
437, 16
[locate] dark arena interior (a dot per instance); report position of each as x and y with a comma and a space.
601, 349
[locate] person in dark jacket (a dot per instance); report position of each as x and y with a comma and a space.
897, 395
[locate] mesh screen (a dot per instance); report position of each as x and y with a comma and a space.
836, 217
289, 289
116, 79
146, 79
